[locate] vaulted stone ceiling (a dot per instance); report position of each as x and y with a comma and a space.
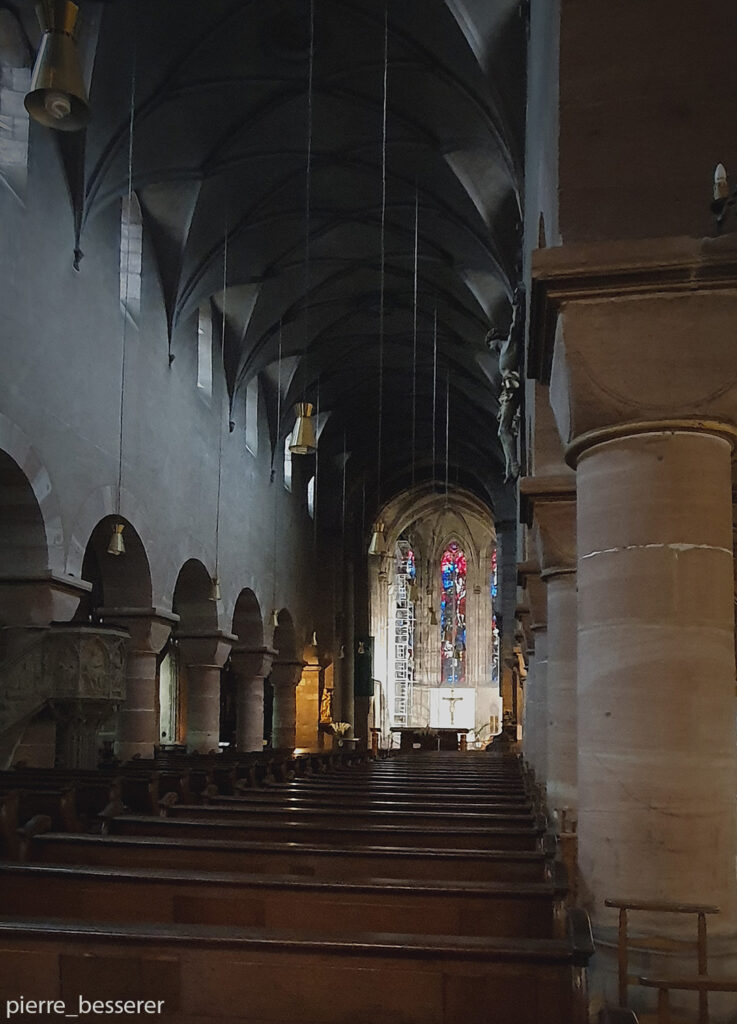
220, 148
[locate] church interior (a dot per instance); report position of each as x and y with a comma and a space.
368, 504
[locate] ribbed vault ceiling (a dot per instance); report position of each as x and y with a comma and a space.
220, 151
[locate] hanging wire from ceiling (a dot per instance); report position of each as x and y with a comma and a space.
383, 248
317, 472
117, 544
447, 431
434, 386
275, 453
216, 577
414, 335
308, 181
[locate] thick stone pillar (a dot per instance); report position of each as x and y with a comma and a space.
285, 675
537, 694
657, 755
138, 718
204, 654
507, 602
250, 667
556, 521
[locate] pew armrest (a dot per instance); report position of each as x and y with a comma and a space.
36, 826
617, 1015
580, 935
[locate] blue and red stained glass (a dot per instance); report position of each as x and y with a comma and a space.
453, 569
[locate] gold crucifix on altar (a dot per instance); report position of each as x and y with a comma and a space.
452, 701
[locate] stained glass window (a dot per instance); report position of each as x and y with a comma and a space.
453, 569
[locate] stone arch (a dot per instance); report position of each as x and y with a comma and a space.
118, 581
248, 623
192, 592
285, 637
23, 550
98, 505
38, 498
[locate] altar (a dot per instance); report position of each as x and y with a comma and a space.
428, 739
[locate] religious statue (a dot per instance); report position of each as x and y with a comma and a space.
326, 707
509, 348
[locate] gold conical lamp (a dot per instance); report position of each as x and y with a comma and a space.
304, 439
117, 544
214, 594
274, 617
57, 97
378, 540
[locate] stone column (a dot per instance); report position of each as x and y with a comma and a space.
657, 755
537, 680
285, 675
556, 537
250, 666
138, 717
204, 654
506, 603
308, 705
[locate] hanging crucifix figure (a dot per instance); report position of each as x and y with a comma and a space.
452, 701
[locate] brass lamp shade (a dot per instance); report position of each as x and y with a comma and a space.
274, 617
58, 98
117, 544
378, 541
214, 594
304, 439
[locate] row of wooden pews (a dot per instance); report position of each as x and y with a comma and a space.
335, 890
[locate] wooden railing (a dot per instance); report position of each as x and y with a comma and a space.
657, 907
696, 983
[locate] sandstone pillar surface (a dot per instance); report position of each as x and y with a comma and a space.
657, 756
556, 542
285, 675
251, 666
204, 655
138, 718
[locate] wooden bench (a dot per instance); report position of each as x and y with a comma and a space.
701, 983
248, 976
435, 837
625, 907
532, 910
345, 815
313, 860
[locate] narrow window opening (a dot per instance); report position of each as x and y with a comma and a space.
204, 350
252, 394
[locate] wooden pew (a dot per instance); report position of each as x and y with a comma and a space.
432, 836
532, 910
345, 815
248, 976
312, 860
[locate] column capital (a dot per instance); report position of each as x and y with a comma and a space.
252, 662
149, 628
555, 537
208, 648
581, 445
286, 673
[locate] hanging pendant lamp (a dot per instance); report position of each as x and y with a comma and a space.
378, 540
214, 594
433, 616
57, 97
117, 544
274, 617
304, 440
